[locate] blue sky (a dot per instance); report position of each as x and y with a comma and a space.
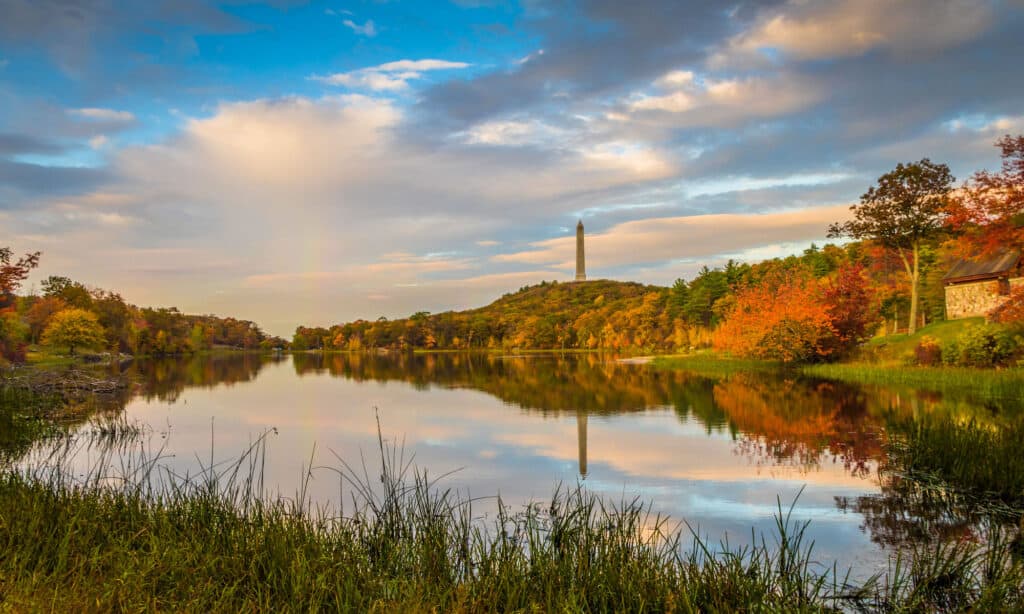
321, 161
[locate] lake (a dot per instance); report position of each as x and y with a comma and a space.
720, 453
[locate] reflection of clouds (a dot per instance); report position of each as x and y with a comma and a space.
684, 469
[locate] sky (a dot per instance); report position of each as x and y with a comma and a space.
321, 161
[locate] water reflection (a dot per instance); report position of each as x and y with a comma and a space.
714, 450
774, 420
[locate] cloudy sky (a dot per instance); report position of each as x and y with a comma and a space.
324, 160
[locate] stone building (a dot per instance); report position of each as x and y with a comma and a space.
975, 287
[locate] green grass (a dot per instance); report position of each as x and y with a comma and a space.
709, 363
896, 348
982, 461
154, 541
979, 384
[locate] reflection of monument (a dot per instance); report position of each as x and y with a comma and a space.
581, 439
581, 265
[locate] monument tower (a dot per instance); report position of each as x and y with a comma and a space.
581, 265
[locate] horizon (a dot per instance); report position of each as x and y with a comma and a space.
315, 162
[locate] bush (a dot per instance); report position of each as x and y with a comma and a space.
981, 346
928, 352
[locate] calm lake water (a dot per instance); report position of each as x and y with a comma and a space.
719, 452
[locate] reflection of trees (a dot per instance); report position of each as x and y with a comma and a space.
547, 384
777, 419
165, 378
798, 420
26, 417
907, 512
916, 504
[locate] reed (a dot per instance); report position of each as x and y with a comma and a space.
989, 384
144, 538
980, 460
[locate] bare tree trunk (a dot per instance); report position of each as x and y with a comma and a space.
915, 278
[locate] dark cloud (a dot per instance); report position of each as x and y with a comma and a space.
40, 180
592, 48
73, 32
12, 144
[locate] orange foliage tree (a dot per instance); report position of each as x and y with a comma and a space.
792, 317
782, 318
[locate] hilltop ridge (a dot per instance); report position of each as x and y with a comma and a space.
597, 314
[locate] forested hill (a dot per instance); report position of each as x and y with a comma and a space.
616, 315
551, 315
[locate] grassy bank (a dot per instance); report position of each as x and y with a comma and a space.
711, 364
979, 384
407, 545
991, 384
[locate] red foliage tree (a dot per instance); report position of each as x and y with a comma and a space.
852, 309
989, 213
11, 276
1012, 310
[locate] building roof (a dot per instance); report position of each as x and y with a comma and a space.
996, 266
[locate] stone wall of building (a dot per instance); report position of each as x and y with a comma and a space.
974, 299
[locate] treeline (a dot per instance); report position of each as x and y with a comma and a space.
68, 315
614, 315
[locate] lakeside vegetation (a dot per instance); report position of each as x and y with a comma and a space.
155, 541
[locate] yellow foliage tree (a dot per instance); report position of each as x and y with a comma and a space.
73, 328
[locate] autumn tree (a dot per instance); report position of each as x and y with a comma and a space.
988, 215
852, 309
39, 313
73, 328
903, 212
72, 292
12, 273
782, 318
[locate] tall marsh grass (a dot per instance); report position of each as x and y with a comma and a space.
143, 538
980, 384
980, 460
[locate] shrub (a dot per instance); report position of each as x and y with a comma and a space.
928, 352
981, 346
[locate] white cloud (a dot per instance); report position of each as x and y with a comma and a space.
511, 132
367, 29
680, 99
840, 28
97, 114
99, 141
389, 77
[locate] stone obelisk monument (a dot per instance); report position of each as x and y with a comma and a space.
581, 265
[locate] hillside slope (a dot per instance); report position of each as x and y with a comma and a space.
601, 314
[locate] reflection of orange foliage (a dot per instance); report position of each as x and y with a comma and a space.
782, 318
788, 419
